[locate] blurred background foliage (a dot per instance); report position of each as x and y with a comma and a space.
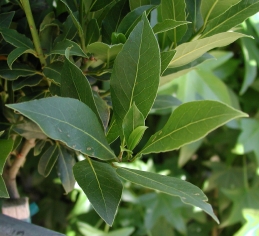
224, 164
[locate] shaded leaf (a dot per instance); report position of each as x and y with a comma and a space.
17, 53
189, 194
165, 101
101, 185
65, 168
3, 191
187, 52
190, 122
166, 58
113, 131
6, 146
232, 17
6, 19
48, 160
132, 66
92, 32
99, 4
53, 71
73, 123
26, 81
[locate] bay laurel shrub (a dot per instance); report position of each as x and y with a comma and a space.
78, 80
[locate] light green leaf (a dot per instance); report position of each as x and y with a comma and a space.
132, 18
189, 194
167, 24
72, 122
104, 53
188, 123
75, 49
133, 79
6, 19
3, 191
166, 58
16, 39
74, 84
6, 147
131, 121
48, 160
135, 137
53, 71
213, 8
232, 17
16, 71
187, 52
27, 81
101, 185
17, 53
65, 168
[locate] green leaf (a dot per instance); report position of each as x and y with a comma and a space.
167, 24
65, 168
174, 10
74, 84
187, 52
48, 160
92, 32
166, 58
118, 38
53, 71
6, 147
104, 53
113, 19
188, 123
101, 185
165, 101
135, 137
75, 49
72, 122
133, 79
27, 81
211, 9
113, 131
232, 17
99, 4
6, 19
132, 18
17, 53
131, 121
3, 191
16, 71
16, 39
188, 193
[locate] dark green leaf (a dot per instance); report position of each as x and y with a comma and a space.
133, 80
6, 147
75, 49
16, 39
165, 101
167, 24
232, 17
132, 18
17, 53
48, 160
16, 71
72, 122
101, 185
74, 84
38, 147
92, 32
65, 168
53, 71
6, 19
189, 194
26, 81
113, 131
188, 123
166, 58
99, 4
3, 191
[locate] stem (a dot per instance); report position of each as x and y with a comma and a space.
34, 32
11, 173
106, 228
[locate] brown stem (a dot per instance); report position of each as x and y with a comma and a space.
11, 173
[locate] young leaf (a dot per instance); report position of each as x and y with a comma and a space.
48, 160
101, 185
72, 122
189, 194
232, 17
135, 137
65, 168
187, 52
131, 121
136, 71
74, 84
188, 123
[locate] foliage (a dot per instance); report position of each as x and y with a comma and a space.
83, 83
